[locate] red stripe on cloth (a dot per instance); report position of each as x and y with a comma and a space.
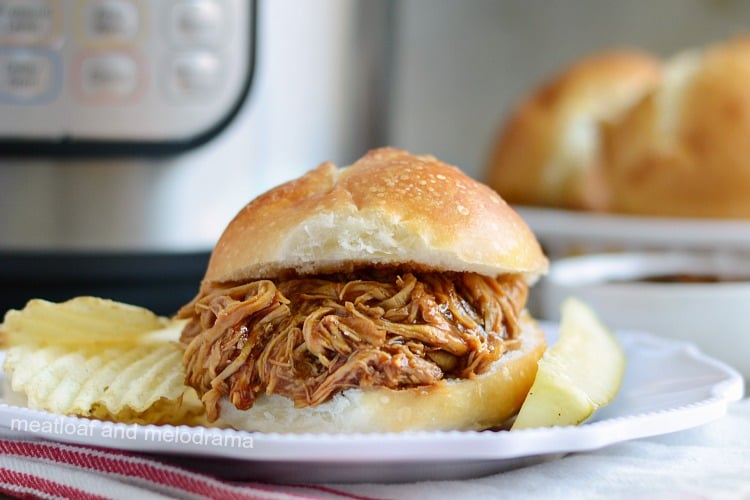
130, 465
332, 491
40, 486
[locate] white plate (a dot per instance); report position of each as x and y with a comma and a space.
668, 386
562, 229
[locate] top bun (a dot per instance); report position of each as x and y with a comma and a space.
549, 152
684, 149
388, 208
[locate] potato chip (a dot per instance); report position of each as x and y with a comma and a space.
189, 412
98, 358
79, 320
126, 382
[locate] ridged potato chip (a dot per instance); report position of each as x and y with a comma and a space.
100, 359
79, 320
190, 411
126, 383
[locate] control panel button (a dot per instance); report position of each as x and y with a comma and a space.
109, 76
26, 75
111, 21
194, 75
196, 22
29, 22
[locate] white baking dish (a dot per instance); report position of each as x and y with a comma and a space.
715, 315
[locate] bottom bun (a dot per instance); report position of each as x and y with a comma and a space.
486, 401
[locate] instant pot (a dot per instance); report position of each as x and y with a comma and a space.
131, 131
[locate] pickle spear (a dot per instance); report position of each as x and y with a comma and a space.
580, 373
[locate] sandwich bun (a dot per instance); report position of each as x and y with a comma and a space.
390, 210
683, 149
548, 153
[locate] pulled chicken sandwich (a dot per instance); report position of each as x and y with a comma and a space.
385, 296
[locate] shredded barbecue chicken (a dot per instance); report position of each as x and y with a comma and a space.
310, 338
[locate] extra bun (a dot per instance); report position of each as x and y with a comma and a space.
549, 151
388, 208
683, 150
486, 401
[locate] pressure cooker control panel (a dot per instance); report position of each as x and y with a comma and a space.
135, 72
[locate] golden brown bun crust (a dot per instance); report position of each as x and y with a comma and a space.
486, 401
388, 208
684, 150
548, 152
